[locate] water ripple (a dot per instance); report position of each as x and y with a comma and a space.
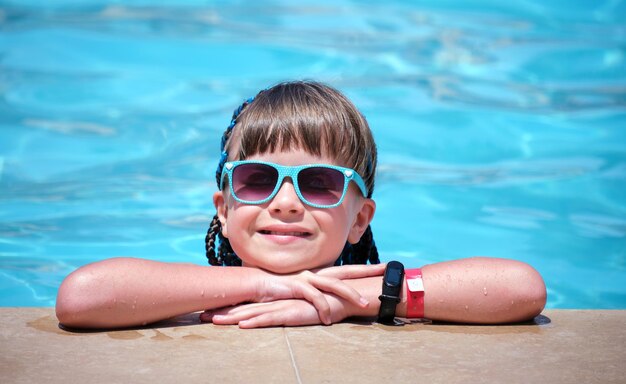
71, 127
494, 174
516, 217
595, 226
510, 116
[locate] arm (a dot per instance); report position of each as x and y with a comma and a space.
476, 290
482, 290
126, 291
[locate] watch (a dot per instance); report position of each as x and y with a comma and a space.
392, 286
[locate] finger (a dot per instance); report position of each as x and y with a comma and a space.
264, 320
228, 319
269, 316
314, 296
207, 315
232, 315
273, 319
278, 313
339, 288
353, 271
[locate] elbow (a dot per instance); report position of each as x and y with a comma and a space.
538, 295
71, 306
79, 296
528, 293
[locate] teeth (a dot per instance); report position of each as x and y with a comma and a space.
285, 233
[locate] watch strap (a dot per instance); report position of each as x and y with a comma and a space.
414, 294
393, 280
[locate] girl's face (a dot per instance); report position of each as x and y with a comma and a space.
285, 235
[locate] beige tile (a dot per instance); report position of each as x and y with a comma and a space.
34, 349
565, 347
570, 347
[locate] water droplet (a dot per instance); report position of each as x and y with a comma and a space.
202, 293
466, 308
485, 291
223, 294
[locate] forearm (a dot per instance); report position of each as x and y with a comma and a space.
476, 290
482, 290
124, 292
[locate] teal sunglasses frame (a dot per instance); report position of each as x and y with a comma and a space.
292, 172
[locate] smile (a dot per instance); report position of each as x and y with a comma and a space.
280, 233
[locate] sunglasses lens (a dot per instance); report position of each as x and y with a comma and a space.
319, 185
254, 182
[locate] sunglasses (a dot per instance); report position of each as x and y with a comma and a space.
317, 185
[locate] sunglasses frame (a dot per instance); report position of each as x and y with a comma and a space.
292, 172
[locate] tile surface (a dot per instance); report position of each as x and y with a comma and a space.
561, 346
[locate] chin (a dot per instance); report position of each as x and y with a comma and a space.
284, 269
281, 267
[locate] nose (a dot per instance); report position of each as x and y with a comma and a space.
286, 200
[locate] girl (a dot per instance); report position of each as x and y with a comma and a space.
294, 205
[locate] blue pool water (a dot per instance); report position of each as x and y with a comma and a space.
501, 128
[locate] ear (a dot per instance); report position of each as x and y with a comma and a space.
222, 210
362, 220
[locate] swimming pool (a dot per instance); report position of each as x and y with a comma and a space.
500, 128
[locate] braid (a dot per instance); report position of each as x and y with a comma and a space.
225, 255
362, 252
225, 137
209, 241
371, 252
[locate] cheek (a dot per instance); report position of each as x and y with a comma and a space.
240, 213
239, 217
336, 224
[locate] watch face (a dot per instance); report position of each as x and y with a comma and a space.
393, 275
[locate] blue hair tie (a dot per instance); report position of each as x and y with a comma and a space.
227, 134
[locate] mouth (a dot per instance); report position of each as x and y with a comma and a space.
285, 233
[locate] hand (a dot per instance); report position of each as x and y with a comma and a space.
309, 285
292, 312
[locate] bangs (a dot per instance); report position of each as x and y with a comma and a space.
320, 135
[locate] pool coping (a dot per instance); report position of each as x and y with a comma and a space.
559, 346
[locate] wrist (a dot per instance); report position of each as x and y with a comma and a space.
369, 288
260, 283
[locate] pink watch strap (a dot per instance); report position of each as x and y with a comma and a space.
415, 293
